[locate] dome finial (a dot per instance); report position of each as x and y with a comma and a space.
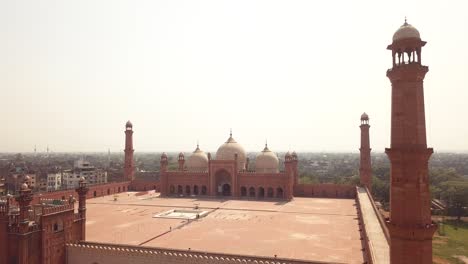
266, 146
406, 21
230, 132
198, 145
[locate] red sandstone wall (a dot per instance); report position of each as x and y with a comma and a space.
329, 190
3, 235
184, 179
363, 232
53, 250
123, 254
94, 191
265, 181
142, 185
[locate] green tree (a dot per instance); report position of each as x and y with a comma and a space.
456, 193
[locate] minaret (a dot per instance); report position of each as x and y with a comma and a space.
410, 225
164, 161
23, 246
129, 167
289, 163
24, 201
163, 174
108, 158
82, 190
365, 171
295, 162
181, 160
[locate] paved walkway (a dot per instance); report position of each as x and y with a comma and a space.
378, 244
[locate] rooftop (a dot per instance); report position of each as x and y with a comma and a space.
305, 228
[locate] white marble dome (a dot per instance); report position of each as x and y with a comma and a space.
406, 31
266, 161
198, 161
229, 149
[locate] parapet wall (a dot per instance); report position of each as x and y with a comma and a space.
57, 209
379, 216
363, 232
94, 191
87, 252
145, 185
326, 190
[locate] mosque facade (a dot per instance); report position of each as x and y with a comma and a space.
229, 174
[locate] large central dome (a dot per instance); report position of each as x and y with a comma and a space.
229, 149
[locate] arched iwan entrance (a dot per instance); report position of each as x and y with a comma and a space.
223, 183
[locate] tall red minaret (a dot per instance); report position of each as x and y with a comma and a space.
410, 225
129, 167
82, 190
365, 169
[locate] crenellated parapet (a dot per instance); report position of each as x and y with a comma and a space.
87, 252
261, 174
186, 173
57, 209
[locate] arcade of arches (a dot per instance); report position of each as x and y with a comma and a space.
225, 190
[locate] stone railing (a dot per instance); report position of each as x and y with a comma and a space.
368, 254
379, 216
90, 251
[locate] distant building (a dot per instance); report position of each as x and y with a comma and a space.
54, 181
41, 183
2, 186
82, 168
14, 180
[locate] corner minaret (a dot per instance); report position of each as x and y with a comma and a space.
82, 191
129, 168
181, 160
410, 225
365, 170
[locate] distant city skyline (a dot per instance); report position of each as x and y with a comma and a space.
296, 73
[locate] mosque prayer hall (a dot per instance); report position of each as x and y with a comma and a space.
226, 208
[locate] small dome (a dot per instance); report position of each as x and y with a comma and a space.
198, 161
229, 149
364, 116
82, 179
406, 31
294, 155
129, 124
266, 161
24, 186
164, 155
288, 155
181, 156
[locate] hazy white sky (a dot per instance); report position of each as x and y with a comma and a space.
298, 73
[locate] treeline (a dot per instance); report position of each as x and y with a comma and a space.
446, 185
